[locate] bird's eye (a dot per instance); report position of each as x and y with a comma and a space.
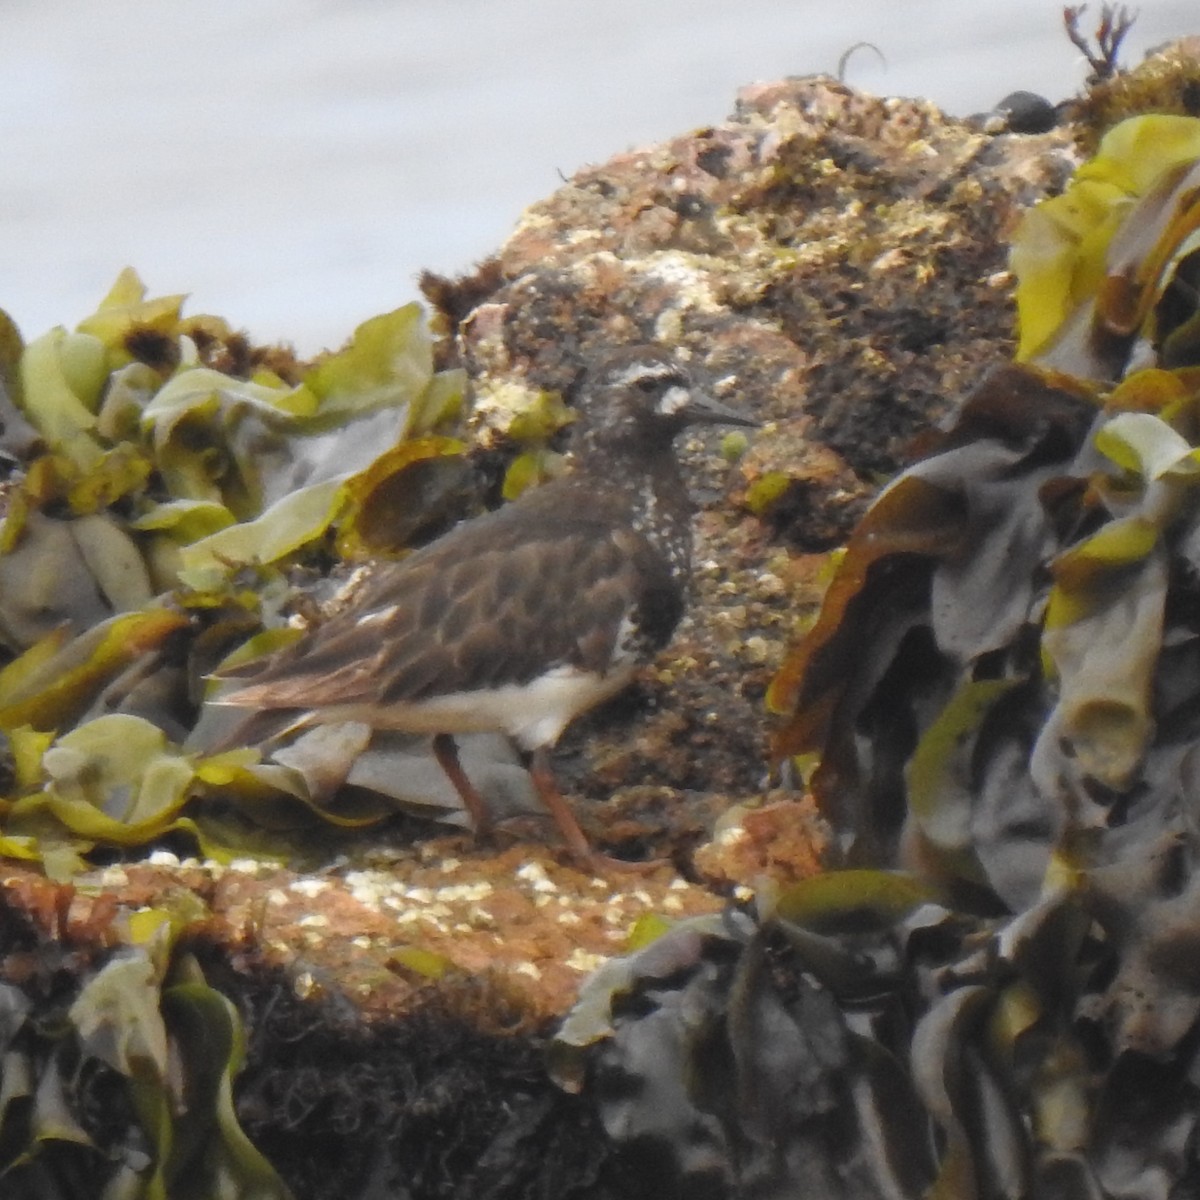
649, 383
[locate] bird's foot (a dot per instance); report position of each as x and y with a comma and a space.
604, 865
581, 855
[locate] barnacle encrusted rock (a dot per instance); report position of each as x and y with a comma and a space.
835, 258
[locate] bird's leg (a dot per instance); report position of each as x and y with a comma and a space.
557, 807
445, 750
577, 844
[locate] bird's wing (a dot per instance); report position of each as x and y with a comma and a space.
498, 601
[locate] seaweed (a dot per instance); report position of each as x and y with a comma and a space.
1115, 22
119, 1059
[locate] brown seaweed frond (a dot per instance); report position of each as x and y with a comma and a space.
1115, 22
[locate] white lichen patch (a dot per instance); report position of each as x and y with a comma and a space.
459, 893
585, 961
370, 888
250, 866
756, 649
687, 276
498, 403
480, 918
310, 887
577, 237
535, 875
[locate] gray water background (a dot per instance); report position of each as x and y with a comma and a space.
292, 164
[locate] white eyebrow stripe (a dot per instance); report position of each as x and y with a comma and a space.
637, 371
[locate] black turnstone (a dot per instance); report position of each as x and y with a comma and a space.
521, 619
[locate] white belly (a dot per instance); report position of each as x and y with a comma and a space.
533, 715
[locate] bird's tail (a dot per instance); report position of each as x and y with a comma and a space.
227, 727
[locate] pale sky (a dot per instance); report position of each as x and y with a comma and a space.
294, 163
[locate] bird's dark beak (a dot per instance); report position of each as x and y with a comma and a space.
702, 409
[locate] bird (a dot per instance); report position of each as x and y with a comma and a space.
519, 620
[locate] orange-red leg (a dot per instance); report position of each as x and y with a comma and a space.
445, 750
577, 844
558, 808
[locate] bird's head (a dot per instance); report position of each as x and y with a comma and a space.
643, 396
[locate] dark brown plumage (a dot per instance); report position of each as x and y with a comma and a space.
523, 618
